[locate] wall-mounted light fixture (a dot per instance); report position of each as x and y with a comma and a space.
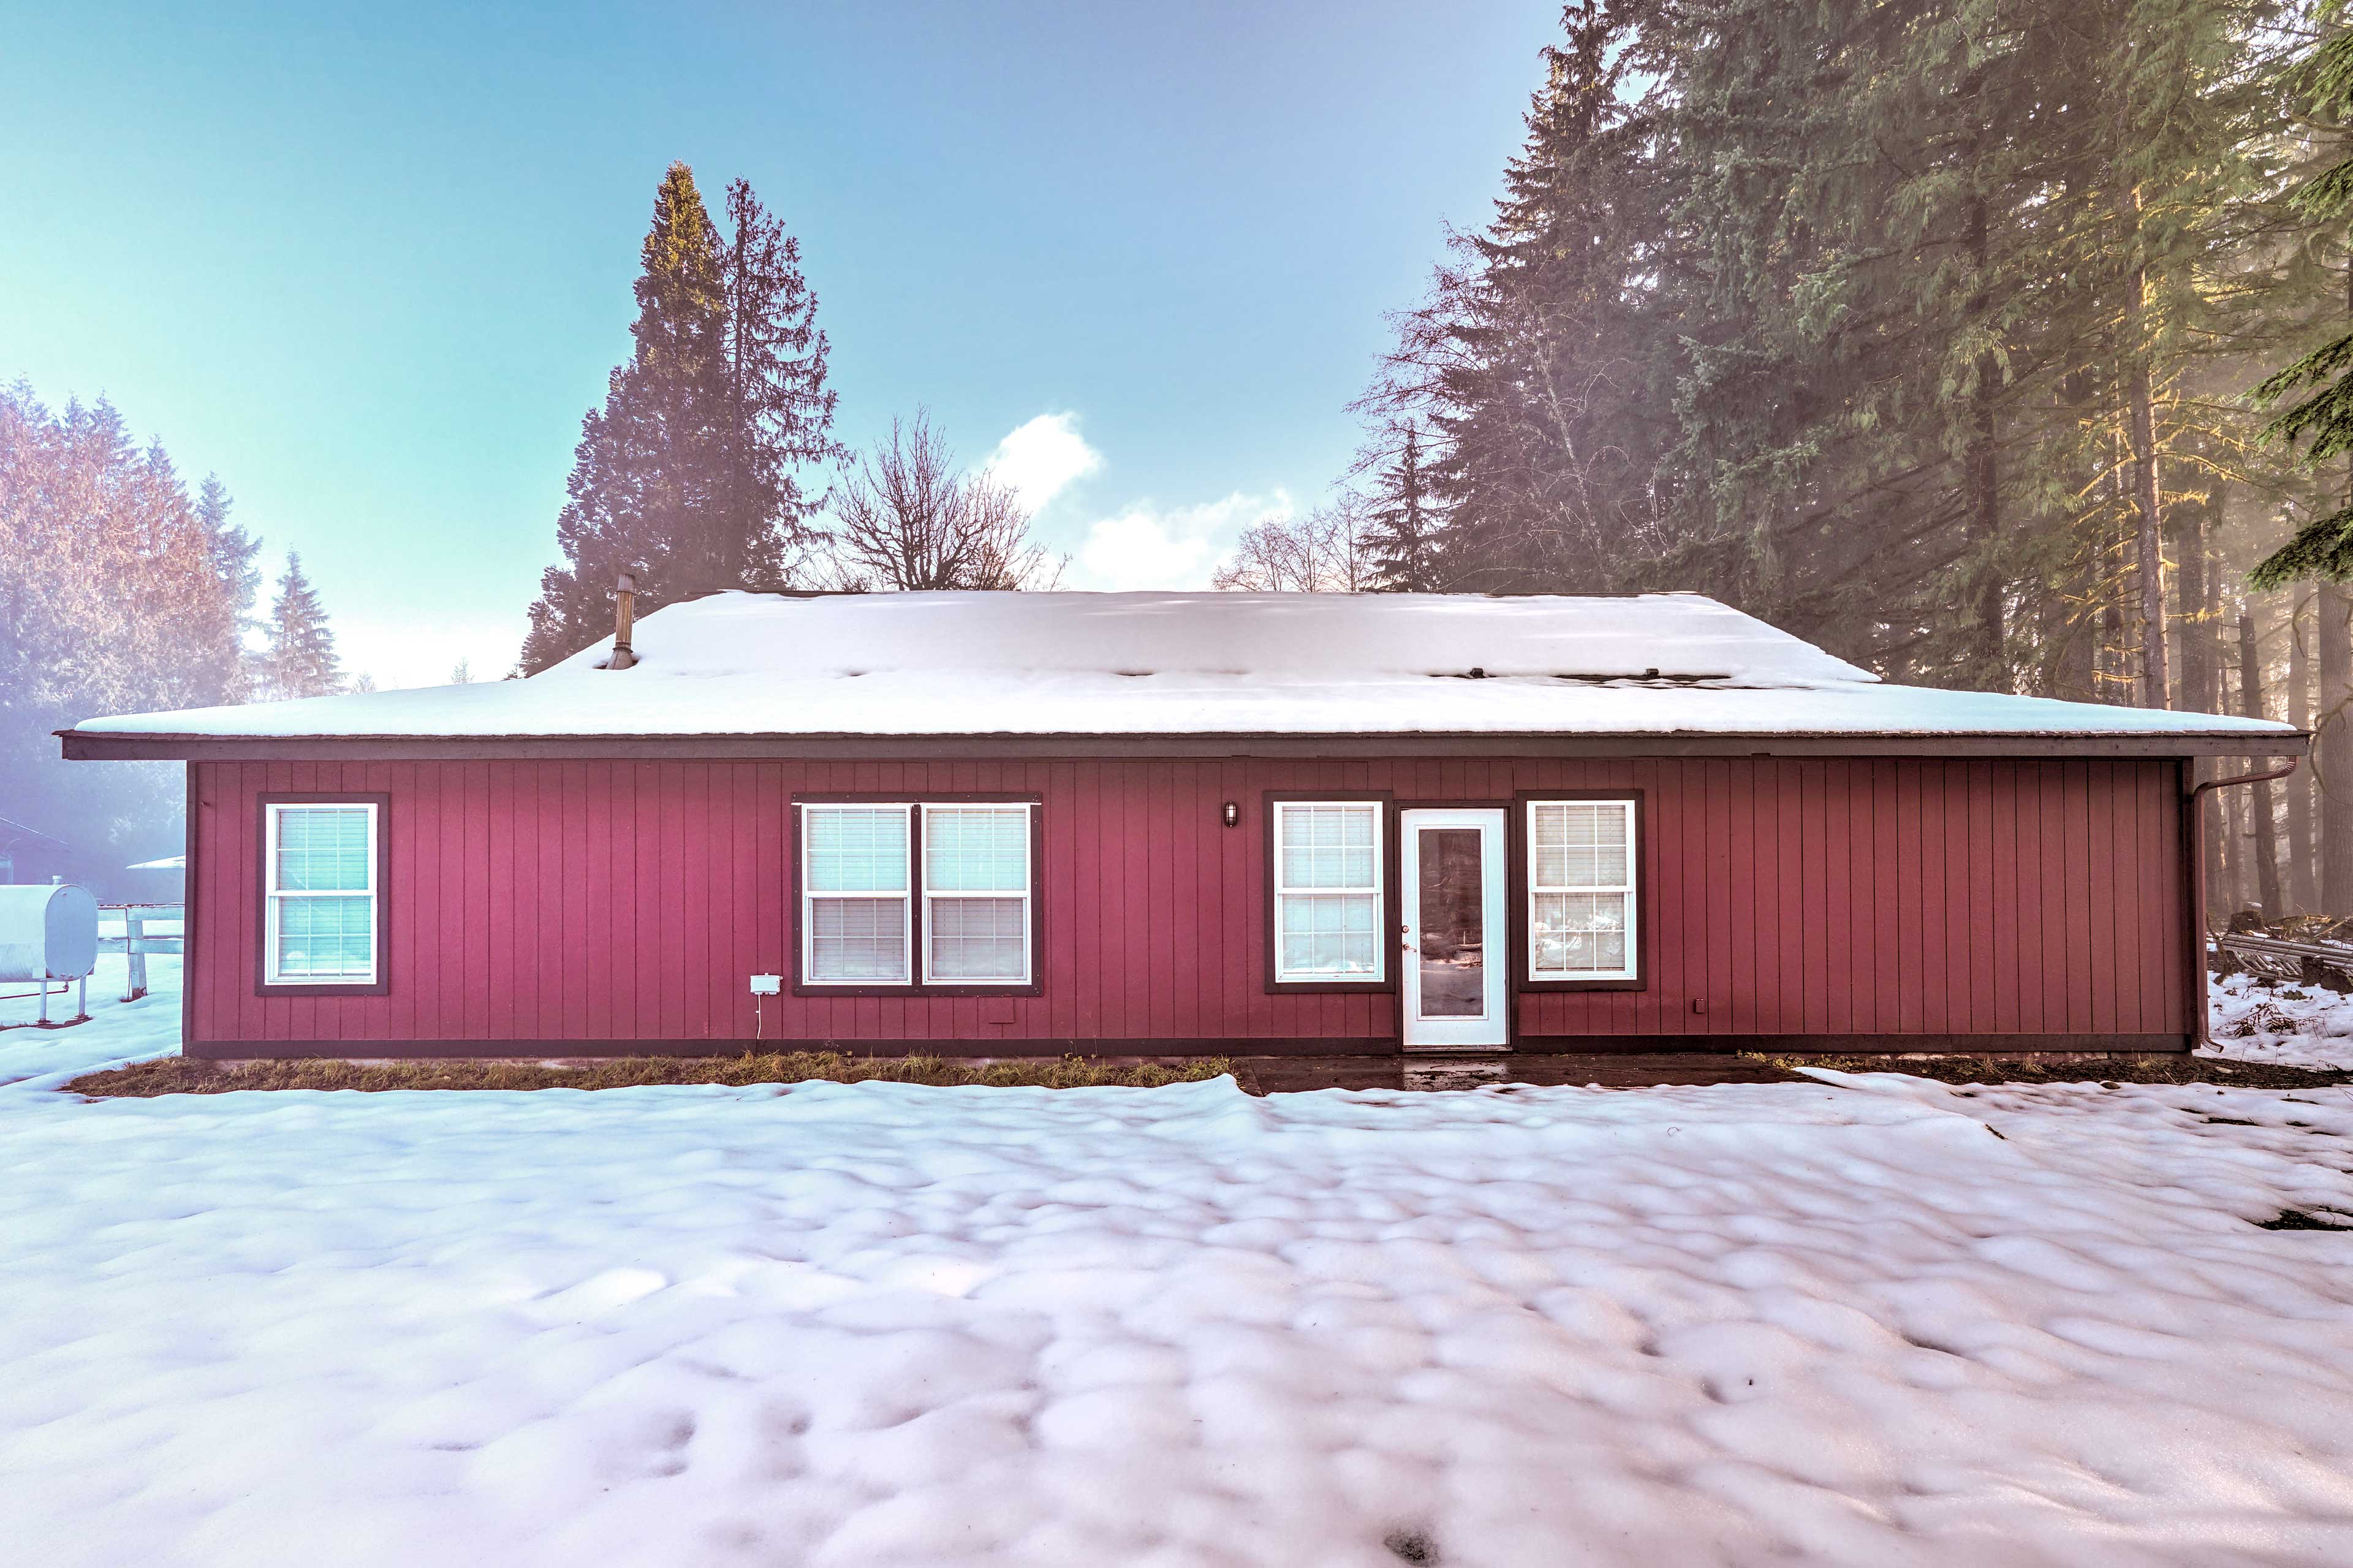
1232, 814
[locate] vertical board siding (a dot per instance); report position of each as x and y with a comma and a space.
630, 901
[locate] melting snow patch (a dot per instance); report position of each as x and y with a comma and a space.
2280, 1023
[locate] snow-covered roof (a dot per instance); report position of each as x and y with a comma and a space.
1188, 664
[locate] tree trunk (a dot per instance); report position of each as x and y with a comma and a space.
2230, 843
2195, 617
2074, 638
1981, 478
2140, 438
2149, 556
2264, 848
2303, 892
2335, 753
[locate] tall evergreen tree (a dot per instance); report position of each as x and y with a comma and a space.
298, 656
236, 556
687, 475
2319, 420
780, 410
1541, 365
1403, 532
2318, 386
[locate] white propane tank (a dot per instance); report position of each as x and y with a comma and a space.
47, 933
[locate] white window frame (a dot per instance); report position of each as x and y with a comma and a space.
1631, 887
904, 893
273, 896
1382, 938
1026, 893
915, 901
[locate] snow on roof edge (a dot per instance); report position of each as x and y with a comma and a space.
745, 667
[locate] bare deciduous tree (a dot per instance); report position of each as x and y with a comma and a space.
907, 519
1322, 552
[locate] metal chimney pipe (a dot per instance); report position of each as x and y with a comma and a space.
625, 619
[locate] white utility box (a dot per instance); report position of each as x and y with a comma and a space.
49, 934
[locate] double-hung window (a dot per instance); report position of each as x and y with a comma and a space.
1328, 892
918, 894
855, 910
322, 906
977, 894
1582, 863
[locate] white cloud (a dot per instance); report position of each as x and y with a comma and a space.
1043, 457
1147, 546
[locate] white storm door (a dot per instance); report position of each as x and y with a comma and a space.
1451, 874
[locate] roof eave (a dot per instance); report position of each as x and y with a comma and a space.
106, 745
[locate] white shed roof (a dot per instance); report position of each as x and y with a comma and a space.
1193, 664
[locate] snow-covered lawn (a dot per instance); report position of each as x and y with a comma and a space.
118, 1031
1836, 1323
2295, 1025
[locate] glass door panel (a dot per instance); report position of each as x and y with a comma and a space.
1454, 923
1453, 928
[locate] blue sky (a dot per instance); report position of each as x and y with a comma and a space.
372, 266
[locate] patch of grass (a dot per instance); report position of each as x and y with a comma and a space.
1411, 1546
181, 1075
2296, 1219
2167, 1068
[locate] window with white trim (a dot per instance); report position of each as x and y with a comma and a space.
1581, 904
855, 919
319, 894
880, 882
1328, 892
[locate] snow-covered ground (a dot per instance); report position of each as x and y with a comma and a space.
2293, 1026
1872, 1320
118, 1031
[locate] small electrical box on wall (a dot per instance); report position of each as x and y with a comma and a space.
767, 984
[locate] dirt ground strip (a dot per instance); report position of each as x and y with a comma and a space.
1258, 1075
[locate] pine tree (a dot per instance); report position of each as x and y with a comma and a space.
1540, 367
688, 474
1842, 169
297, 658
2320, 419
1403, 535
780, 409
647, 476
236, 556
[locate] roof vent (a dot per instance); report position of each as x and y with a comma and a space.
625, 618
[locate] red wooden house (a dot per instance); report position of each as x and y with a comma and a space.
1022, 824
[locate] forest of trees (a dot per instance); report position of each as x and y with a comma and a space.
124, 593
1937, 332
1994, 343
708, 464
